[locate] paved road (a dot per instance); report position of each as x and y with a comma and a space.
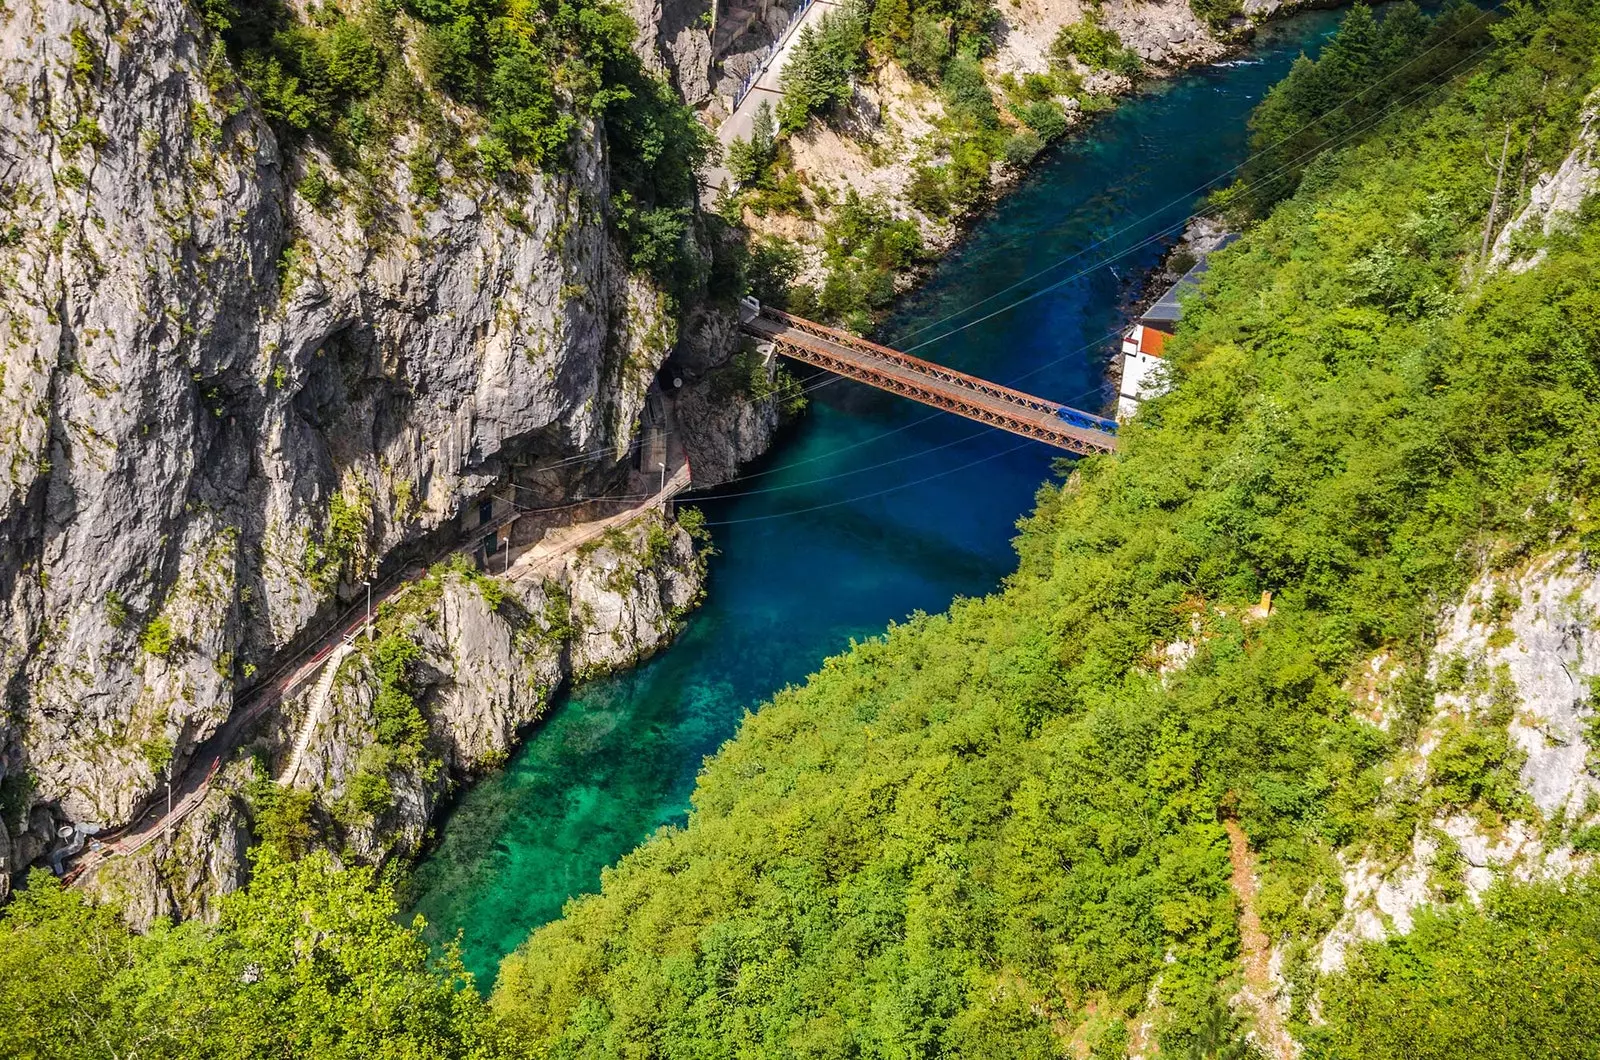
741, 122
190, 789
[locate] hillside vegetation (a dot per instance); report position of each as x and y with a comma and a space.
1001, 832
996, 829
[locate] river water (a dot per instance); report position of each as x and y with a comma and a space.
871, 508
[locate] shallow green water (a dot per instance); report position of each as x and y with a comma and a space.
870, 509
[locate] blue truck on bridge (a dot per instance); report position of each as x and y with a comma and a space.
1086, 421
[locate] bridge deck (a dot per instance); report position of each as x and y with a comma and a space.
924, 381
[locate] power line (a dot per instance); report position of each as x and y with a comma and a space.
1199, 189
1404, 101
876, 493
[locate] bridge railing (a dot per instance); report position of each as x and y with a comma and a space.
915, 364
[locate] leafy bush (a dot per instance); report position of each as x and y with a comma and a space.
749, 160
925, 53
863, 247
400, 722
1022, 148
967, 94
1095, 46
158, 638
317, 189
1044, 117
1216, 13
770, 268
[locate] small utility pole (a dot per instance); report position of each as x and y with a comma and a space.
369, 607
169, 801
1494, 202
663, 476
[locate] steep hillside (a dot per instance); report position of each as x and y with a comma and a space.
893, 123
1006, 831
289, 291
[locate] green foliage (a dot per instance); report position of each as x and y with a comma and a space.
158, 638
400, 721
308, 960
1094, 46
1216, 13
1509, 981
771, 265
1362, 72
990, 830
422, 164
863, 247
1045, 117
317, 189
823, 64
368, 791
282, 817
922, 34
967, 95
116, 610
1022, 148
750, 160
157, 753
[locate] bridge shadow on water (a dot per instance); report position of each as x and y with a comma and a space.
824, 545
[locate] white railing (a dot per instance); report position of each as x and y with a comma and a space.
769, 53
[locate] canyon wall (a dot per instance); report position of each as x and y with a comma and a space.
222, 405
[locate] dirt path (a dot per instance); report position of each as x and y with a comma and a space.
1255, 951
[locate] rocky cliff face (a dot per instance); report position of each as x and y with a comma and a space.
1554, 199
218, 403
1515, 667
488, 656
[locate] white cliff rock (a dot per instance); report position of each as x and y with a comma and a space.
1555, 198
1531, 639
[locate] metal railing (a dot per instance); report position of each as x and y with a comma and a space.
769, 53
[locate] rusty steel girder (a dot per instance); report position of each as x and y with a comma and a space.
862, 371
915, 364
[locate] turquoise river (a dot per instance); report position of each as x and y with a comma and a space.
868, 509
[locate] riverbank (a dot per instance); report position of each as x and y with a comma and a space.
938, 157
872, 509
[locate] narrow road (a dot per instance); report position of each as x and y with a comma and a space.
764, 88
190, 790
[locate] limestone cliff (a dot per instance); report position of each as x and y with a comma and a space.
486, 656
221, 404
1514, 670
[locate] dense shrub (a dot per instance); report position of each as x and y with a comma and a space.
1095, 46
823, 65
998, 832
307, 961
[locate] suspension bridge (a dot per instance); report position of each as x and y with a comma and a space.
931, 384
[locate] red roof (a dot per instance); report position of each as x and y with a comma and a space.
1151, 341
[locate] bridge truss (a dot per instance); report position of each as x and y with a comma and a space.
931, 384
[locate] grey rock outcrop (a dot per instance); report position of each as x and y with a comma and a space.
1527, 644
1555, 199
200, 369
674, 38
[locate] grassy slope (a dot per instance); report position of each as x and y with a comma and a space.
999, 827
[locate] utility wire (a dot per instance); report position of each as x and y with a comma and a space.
1198, 190
1362, 127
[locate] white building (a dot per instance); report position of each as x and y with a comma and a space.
1142, 344
1141, 355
